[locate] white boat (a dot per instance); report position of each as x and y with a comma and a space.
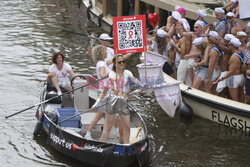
215, 108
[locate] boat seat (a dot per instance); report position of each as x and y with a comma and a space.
67, 102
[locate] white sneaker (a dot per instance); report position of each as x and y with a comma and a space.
88, 137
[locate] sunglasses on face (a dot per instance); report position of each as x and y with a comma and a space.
121, 62
228, 18
196, 27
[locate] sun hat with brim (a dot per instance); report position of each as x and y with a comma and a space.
201, 23
201, 13
105, 37
214, 34
161, 33
228, 37
198, 41
230, 14
219, 10
235, 42
241, 34
176, 15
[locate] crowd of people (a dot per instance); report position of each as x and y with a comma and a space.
213, 58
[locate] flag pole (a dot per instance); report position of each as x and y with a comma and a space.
145, 64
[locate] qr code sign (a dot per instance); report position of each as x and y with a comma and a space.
129, 34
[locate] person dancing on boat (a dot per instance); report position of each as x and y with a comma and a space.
117, 99
102, 71
57, 79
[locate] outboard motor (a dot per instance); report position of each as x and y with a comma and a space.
185, 110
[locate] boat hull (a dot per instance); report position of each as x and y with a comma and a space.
215, 108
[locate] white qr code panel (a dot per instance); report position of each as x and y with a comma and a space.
129, 34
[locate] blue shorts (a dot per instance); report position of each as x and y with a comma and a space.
202, 72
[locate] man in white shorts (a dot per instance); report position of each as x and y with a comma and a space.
235, 76
214, 70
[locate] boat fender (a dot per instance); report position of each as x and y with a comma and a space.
88, 13
38, 126
185, 110
99, 20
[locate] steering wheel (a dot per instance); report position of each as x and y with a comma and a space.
83, 76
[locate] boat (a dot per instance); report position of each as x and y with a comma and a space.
214, 108
66, 135
102, 12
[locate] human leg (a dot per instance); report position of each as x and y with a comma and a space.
234, 93
108, 123
52, 78
125, 121
94, 121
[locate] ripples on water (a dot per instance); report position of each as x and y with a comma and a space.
30, 31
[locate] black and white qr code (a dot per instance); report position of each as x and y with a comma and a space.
130, 35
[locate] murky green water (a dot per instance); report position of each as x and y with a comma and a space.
30, 31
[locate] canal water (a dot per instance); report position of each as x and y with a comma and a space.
30, 31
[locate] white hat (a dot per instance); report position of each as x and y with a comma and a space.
105, 37
176, 15
230, 14
201, 13
198, 41
219, 10
176, 8
185, 24
214, 34
201, 23
248, 24
228, 37
235, 42
161, 33
241, 33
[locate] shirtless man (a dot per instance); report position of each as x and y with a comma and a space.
170, 21
235, 76
234, 26
183, 47
224, 46
214, 70
195, 52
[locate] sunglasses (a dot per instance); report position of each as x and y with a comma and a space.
120, 62
196, 27
228, 18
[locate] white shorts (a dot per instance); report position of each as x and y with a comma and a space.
215, 75
222, 84
190, 62
177, 59
235, 81
182, 70
182, 73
